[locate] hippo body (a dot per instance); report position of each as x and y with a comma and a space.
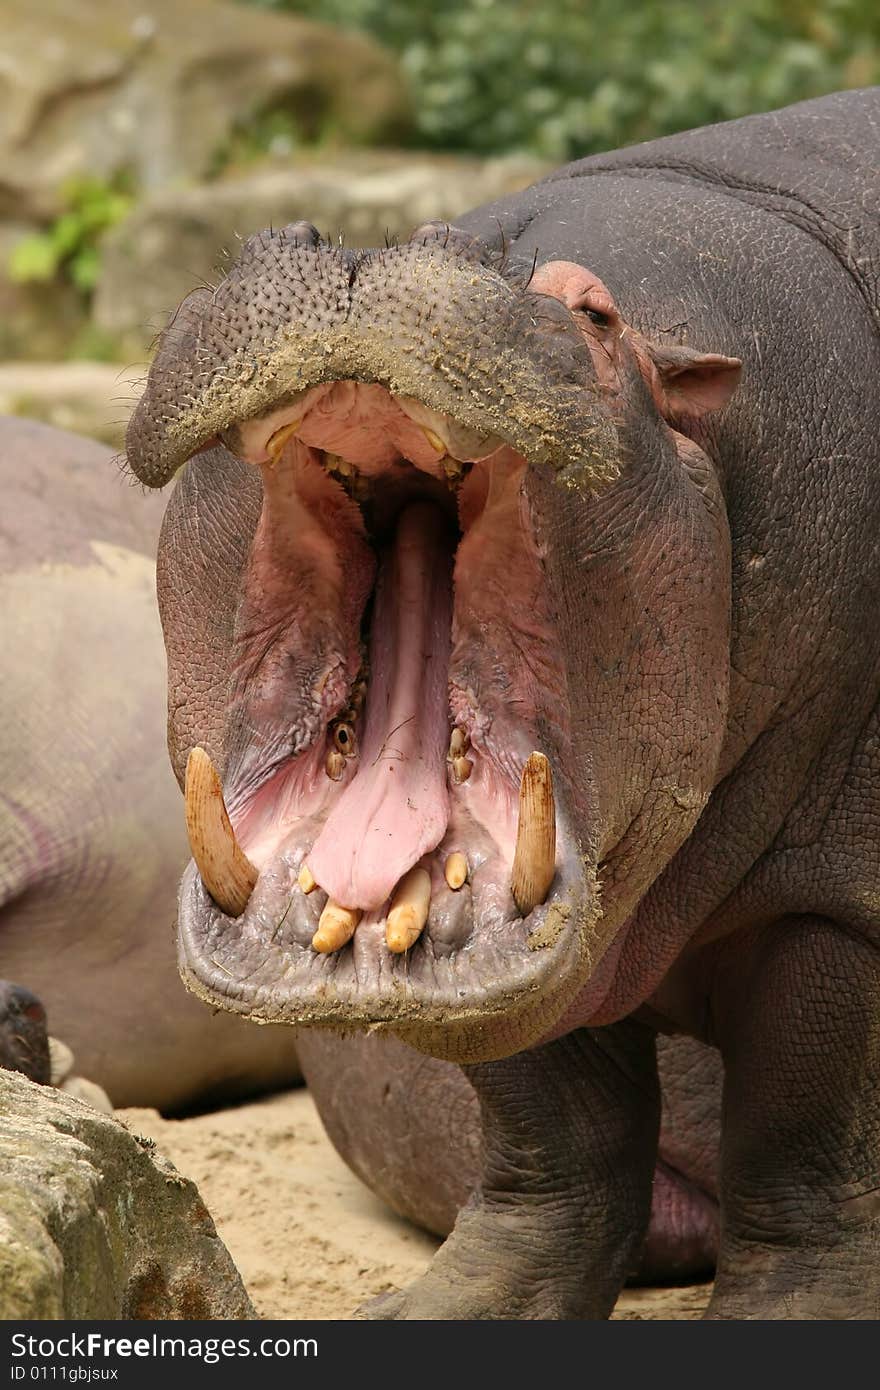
648, 385
91, 839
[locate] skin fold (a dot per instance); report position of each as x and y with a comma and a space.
680, 339
91, 836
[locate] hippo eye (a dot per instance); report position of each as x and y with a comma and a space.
597, 317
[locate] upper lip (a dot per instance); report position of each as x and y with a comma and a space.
205, 379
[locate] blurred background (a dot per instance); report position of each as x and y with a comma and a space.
140, 139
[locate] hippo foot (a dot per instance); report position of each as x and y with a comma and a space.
830, 1282
496, 1266
792, 1306
786, 1302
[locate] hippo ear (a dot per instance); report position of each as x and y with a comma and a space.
694, 383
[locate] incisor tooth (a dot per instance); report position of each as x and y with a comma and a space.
456, 870
226, 871
409, 910
335, 926
534, 861
306, 879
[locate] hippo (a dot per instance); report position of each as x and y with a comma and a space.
91, 838
520, 592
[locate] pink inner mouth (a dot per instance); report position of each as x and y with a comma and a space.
461, 634
396, 808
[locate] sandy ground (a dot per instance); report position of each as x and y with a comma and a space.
309, 1239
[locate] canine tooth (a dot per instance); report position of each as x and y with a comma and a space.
458, 744
409, 910
434, 440
334, 765
456, 870
335, 926
226, 871
461, 770
278, 440
306, 879
344, 738
534, 861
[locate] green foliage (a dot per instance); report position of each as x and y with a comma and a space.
69, 247
267, 132
559, 78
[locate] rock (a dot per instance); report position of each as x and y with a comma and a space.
153, 258
153, 89
94, 1223
91, 398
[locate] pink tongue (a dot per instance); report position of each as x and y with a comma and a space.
397, 806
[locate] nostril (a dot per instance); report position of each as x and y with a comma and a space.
451, 238
432, 231
301, 234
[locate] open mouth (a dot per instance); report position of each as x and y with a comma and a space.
424, 651
396, 705
385, 686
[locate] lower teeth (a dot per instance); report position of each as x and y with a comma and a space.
335, 927
409, 910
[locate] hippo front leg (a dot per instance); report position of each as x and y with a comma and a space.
569, 1145
800, 1032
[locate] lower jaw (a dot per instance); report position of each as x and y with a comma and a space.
480, 981
502, 991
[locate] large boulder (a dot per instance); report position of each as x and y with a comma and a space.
154, 88
153, 258
94, 1223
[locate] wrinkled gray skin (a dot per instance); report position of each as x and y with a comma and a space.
409, 1126
91, 827
717, 609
